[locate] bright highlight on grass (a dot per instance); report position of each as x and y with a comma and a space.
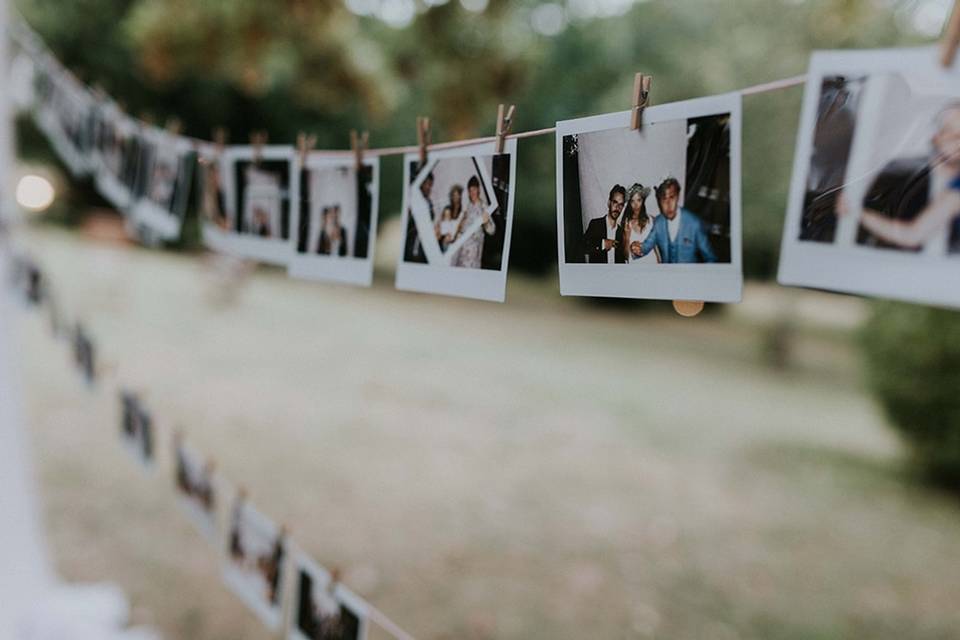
34, 193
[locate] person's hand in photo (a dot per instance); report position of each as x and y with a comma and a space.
843, 208
636, 249
609, 244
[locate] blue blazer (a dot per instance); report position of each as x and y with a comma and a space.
691, 240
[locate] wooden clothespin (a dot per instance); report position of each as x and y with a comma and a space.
504, 124
258, 139
305, 144
358, 142
423, 137
951, 37
641, 99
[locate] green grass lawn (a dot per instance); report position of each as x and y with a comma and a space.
543, 469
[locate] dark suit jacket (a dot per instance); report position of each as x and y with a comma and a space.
593, 239
324, 244
900, 191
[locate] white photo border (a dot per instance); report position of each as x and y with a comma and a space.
276, 251
720, 282
860, 270
271, 616
355, 271
480, 284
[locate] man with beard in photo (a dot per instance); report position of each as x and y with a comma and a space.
605, 234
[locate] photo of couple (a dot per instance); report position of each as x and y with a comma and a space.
875, 201
645, 202
166, 174
458, 213
628, 234
335, 230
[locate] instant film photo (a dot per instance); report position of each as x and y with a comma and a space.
324, 608
457, 221
163, 189
255, 561
653, 213
251, 202
335, 226
874, 203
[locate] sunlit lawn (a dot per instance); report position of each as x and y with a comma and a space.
540, 469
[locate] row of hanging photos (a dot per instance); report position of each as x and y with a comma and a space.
292, 594
649, 215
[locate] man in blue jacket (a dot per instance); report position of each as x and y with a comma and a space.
678, 234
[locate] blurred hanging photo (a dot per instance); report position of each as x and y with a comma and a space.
255, 561
875, 200
457, 220
247, 201
163, 183
325, 609
336, 220
653, 213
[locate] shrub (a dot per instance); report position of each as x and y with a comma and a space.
913, 367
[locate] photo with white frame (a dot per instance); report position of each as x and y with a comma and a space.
259, 190
335, 225
322, 607
167, 174
874, 205
470, 260
198, 490
255, 561
602, 165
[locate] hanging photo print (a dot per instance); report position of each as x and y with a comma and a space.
196, 486
324, 608
457, 221
255, 561
65, 112
247, 201
653, 213
875, 199
136, 428
116, 155
336, 222
163, 186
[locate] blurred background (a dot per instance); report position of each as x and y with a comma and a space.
784, 468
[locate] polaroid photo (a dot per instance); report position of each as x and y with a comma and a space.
251, 200
65, 117
116, 155
335, 226
874, 204
457, 221
255, 561
198, 490
163, 185
324, 608
136, 428
653, 213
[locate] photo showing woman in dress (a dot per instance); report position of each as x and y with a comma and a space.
637, 226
